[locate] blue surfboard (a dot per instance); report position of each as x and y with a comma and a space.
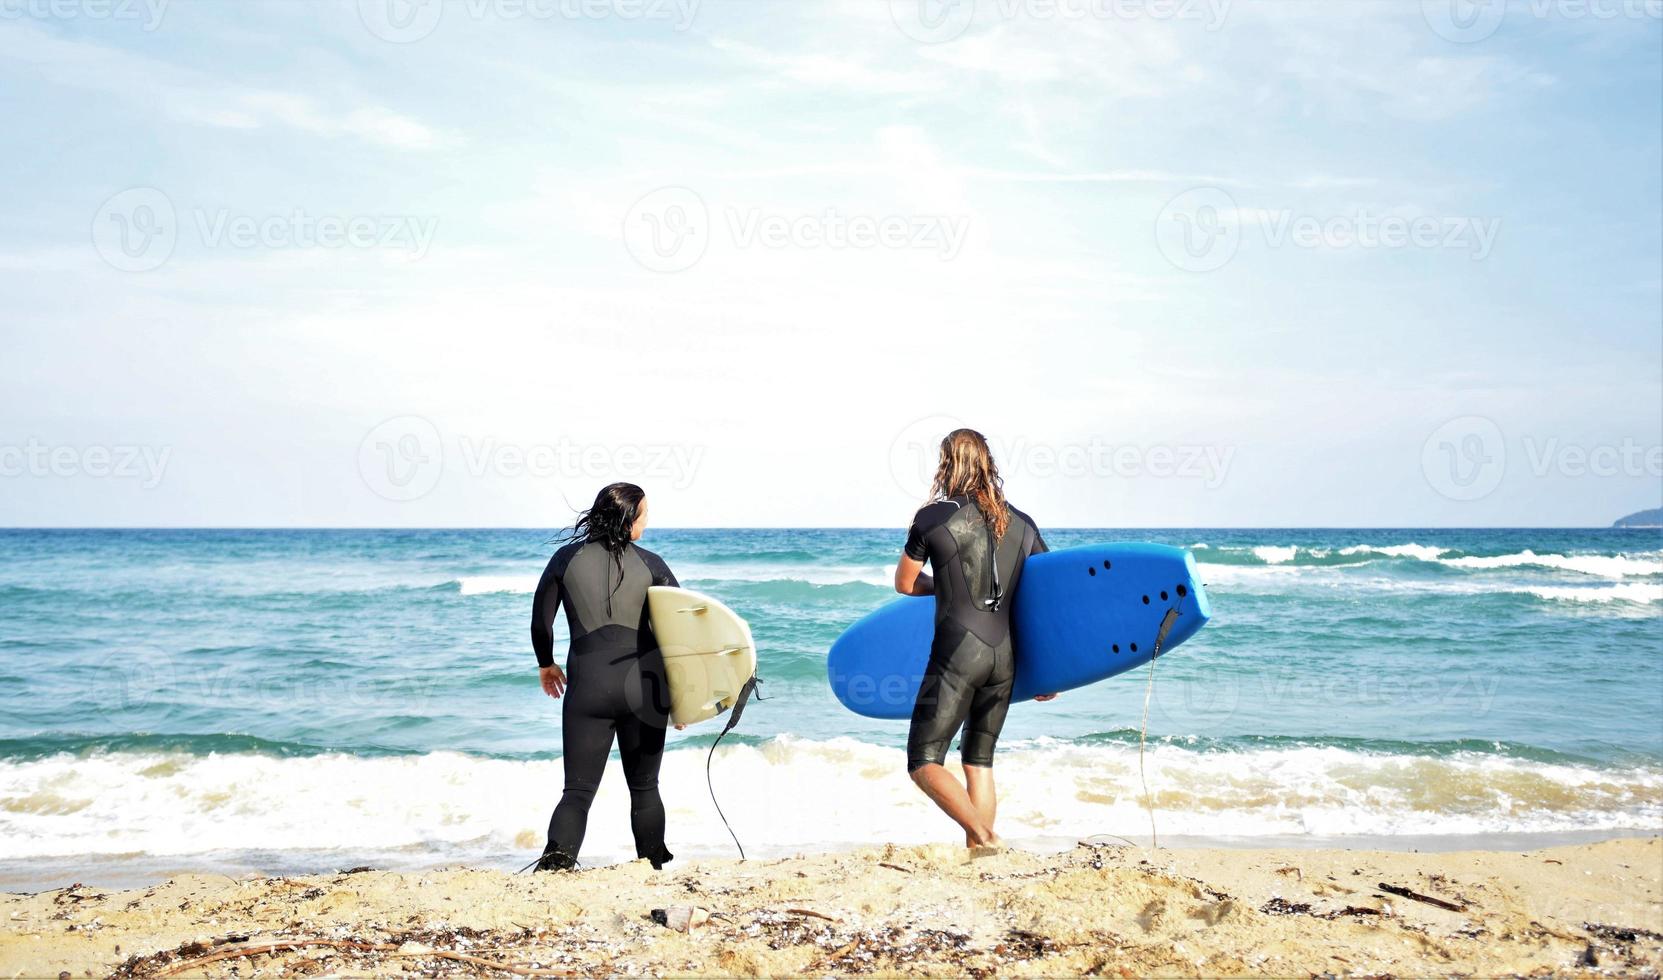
1079, 615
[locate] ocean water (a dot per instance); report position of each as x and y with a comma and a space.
305, 700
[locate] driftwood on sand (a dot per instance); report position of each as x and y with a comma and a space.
1418, 897
392, 949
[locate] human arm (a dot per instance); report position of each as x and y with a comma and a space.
545, 604
661, 574
911, 579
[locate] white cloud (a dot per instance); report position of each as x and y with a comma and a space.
819, 70
1057, 141
195, 97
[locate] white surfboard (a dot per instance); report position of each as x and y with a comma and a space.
708, 652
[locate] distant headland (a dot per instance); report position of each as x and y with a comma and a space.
1642, 518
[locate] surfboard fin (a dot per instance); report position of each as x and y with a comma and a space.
1166, 627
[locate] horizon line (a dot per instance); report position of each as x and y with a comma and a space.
836, 527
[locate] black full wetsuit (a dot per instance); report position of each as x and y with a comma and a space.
972, 666
615, 686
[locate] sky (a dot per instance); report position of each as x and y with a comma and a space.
1188, 263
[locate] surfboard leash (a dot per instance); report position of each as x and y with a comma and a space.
733, 719
547, 851
1143, 732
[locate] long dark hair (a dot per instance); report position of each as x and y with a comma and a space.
966, 468
609, 519
608, 522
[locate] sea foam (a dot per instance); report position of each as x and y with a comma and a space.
787, 794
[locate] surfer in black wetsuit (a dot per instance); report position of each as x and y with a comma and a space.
617, 685
976, 544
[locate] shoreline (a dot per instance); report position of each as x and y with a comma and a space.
1104, 908
22, 876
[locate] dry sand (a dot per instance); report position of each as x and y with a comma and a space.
1107, 909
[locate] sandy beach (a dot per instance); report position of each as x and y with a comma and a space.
1102, 908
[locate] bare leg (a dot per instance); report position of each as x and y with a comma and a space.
946, 792
979, 781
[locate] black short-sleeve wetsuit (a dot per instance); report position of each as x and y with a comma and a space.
972, 666
615, 686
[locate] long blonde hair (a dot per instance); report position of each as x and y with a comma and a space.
967, 469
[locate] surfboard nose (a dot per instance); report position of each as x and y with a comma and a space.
1194, 609
1202, 605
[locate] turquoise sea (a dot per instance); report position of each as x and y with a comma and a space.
300, 700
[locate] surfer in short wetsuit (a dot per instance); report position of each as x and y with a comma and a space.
976, 544
617, 685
